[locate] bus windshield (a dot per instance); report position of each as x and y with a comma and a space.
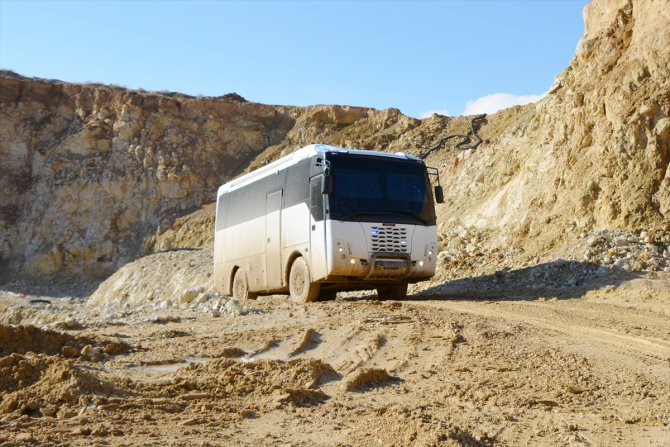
380, 189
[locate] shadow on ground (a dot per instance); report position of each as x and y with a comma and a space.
557, 279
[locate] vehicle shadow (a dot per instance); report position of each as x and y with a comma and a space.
559, 279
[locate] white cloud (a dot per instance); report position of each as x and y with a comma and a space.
498, 101
429, 113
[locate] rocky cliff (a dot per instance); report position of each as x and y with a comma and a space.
592, 155
88, 171
93, 176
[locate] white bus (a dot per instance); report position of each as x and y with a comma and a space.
326, 219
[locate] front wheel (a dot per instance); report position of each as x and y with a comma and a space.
392, 291
300, 284
241, 287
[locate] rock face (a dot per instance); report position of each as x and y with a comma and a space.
592, 155
93, 176
88, 171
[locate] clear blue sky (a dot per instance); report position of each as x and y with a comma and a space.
416, 56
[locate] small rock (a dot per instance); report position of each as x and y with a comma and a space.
392, 305
191, 421
233, 307
100, 432
69, 351
25, 437
70, 325
6, 361
622, 264
91, 354
32, 405
188, 295
49, 410
592, 241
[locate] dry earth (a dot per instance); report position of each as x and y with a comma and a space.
579, 365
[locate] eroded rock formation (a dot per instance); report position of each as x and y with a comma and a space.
93, 176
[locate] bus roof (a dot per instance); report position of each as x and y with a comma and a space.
301, 154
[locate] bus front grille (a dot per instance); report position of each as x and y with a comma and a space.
389, 239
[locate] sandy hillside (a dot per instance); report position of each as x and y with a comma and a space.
547, 323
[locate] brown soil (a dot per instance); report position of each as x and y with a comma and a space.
587, 364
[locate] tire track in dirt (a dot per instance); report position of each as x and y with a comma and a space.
607, 339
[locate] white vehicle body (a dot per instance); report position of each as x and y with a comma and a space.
267, 219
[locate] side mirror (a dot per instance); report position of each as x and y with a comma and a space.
327, 185
439, 194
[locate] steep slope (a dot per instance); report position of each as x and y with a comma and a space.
592, 155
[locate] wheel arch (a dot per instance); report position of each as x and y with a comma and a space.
289, 263
231, 276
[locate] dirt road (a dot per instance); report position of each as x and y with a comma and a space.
590, 370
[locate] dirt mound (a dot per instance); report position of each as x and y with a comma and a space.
367, 377
17, 340
232, 377
175, 276
23, 339
47, 386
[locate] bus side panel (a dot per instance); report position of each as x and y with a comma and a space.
318, 249
244, 246
295, 234
219, 274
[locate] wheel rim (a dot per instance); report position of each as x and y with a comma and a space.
299, 281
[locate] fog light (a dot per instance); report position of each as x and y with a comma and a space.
421, 263
352, 261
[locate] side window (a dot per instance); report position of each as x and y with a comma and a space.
220, 214
316, 198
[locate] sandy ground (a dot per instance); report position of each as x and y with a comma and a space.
587, 366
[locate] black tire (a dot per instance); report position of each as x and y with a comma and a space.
300, 285
392, 291
241, 287
327, 295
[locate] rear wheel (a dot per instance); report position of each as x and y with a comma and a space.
392, 291
241, 287
300, 284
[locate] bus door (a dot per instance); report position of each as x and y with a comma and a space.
273, 275
317, 224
